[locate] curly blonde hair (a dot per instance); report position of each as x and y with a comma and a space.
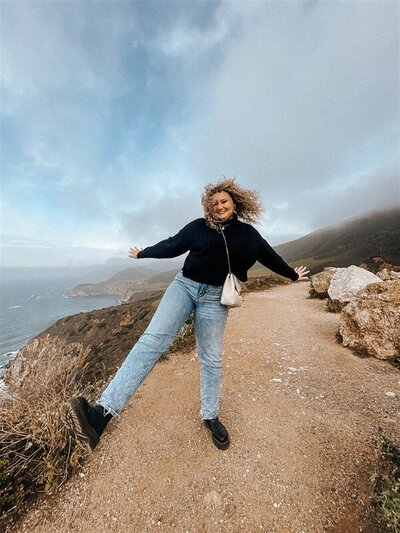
247, 202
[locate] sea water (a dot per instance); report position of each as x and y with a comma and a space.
28, 305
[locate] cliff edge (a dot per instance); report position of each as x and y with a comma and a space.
304, 415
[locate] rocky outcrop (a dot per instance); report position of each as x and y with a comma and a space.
107, 288
387, 274
97, 341
370, 323
262, 283
127, 291
381, 264
320, 282
138, 295
345, 284
40, 355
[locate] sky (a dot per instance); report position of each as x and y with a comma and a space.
116, 114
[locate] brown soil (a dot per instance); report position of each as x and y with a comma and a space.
303, 414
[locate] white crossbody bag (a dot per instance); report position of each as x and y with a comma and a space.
231, 290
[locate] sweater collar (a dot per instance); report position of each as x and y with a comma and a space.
231, 221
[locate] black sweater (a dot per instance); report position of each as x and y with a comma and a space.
207, 261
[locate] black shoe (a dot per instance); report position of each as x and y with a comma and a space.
219, 433
90, 420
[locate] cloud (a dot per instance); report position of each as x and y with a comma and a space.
115, 115
301, 95
173, 207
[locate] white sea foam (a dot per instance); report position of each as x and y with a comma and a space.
6, 357
9, 354
15, 306
4, 394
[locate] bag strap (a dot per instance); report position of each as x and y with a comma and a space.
227, 251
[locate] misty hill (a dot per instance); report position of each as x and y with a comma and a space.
136, 282
354, 241
132, 274
164, 277
145, 269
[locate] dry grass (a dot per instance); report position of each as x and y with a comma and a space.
38, 450
387, 487
38, 447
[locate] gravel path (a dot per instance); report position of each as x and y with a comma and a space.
303, 414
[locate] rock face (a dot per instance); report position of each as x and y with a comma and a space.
381, 264
128, 291
370, 323
97, 342
345, 284
105, 288
262, 283
94, 343
387, 274
320, 282
40, 355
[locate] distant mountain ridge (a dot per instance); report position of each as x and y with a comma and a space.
132, 274
354, 241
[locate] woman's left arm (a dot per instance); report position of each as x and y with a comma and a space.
269, 258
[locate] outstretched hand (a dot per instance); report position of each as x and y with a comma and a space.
133, 252
302, 272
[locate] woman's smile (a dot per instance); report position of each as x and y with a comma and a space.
223, 206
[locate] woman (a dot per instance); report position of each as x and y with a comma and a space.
228, 208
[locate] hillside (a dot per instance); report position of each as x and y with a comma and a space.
131, 274
134, 283
305, 417
354, 241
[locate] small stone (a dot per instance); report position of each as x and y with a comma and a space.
390, 394
212, 499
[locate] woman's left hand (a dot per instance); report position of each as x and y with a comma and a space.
302, 272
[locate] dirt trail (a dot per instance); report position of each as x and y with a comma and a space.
303, 414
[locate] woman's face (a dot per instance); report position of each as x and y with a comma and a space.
223, 206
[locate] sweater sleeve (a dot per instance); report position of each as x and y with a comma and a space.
269, 258
171, 247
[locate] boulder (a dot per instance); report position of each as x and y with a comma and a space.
387, 274
370, 323
345, 284
320, 282
381, 264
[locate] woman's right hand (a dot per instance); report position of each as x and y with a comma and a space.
133, 252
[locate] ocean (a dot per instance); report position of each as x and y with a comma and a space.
30, 304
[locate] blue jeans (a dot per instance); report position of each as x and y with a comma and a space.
181, 298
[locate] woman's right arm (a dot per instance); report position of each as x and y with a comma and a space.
171, 247
133, 252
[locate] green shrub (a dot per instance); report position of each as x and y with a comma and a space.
387, 487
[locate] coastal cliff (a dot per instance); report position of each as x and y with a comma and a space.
288, 384
124, 289
101, 338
